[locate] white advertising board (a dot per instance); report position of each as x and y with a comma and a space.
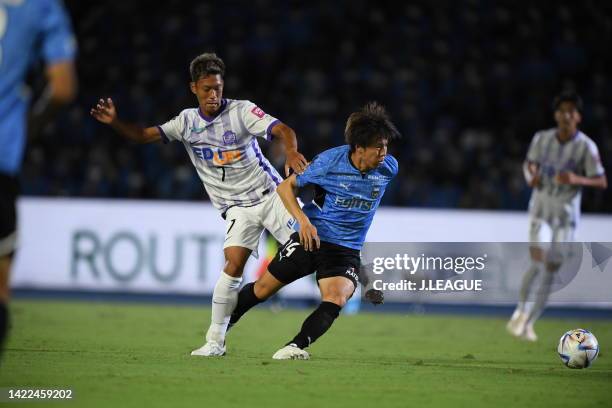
176, 247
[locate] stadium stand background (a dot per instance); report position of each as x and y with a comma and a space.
467, 82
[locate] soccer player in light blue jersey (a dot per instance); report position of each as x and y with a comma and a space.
30, 31
349, 183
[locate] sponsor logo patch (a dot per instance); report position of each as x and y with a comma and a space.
218, 157
258, 112
197, 129
351, 272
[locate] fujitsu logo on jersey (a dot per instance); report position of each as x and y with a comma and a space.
353, 202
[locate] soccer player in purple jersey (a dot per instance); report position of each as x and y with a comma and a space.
220, 136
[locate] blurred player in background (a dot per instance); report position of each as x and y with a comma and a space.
30, 31
560, 161
350, 181
220, 138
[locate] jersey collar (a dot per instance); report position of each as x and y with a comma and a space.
571, 139
211, 118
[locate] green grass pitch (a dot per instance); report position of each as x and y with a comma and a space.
137, 355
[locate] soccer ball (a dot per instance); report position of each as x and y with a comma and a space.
578, 348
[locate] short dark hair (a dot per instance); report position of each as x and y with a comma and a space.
367, 126
568, 96
206, 64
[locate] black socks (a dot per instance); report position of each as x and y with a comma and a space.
313, 327
246, 300
316, 324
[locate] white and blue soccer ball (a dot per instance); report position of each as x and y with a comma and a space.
578, 348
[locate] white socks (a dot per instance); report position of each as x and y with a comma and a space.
541, 297
526, 285
224, 301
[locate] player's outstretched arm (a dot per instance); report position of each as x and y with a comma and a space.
295, 160
571, 178
105, 112
308, 232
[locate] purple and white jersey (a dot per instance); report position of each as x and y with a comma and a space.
225, 152
559, 204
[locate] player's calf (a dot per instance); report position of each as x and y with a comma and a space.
266, 286
335, 291
316, 324
246, 300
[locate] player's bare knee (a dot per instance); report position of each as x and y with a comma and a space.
4, 292
263, 290
4, 295
552, 267
266, 286
235, 259
337, 298
5, 266
234, 266
537, 254
232, 269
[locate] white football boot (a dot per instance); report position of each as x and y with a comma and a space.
291, 352
210, 349
529, 334
516, 325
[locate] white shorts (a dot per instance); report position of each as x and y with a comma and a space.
541, 232
552, 238
245, 224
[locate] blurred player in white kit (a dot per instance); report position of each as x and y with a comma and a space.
560, 161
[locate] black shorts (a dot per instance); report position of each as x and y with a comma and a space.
293, 262
8, 213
